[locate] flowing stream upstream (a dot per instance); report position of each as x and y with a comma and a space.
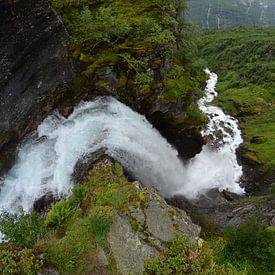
46, 159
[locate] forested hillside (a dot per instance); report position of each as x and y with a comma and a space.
232, 13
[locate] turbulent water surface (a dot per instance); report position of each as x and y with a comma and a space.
216, 166
46, 160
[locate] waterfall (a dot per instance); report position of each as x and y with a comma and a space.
46, 159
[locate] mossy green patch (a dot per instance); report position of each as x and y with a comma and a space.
139, 39
115, 195
105, 59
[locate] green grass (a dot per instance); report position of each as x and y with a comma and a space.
250, 246
244, 59
99, 222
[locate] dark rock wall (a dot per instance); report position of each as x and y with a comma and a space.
33, 63
170, 118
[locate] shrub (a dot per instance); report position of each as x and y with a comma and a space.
22, 229
104, 26
250, 245
22, 262
59, 213
180, 258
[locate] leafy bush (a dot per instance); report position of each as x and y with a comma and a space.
59, 213
22, 229
103, 26
64, 209
252, 246
79, 192
22, 262
180, 258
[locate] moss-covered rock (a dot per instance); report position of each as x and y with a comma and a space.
142, 56
110, 224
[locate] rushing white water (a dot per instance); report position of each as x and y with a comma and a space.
46, 160
216, 166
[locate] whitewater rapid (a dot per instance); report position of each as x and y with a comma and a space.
46, 159
216, 166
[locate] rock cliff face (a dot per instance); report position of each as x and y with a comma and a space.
33, 64
234, 13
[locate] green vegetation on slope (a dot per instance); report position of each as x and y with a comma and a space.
232, 13
145, 42
73, 232
76, 228
244, 59
72, 229
179, 258
249, 247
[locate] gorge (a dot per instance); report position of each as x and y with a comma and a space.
120, 154
46, 159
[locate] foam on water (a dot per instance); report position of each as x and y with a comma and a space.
216, 166
46, 160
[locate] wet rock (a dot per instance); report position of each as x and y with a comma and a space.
43, 204
66, 111
106, 80
212, 210
34, 63
252, 179
229, 196
171, 120
245, 209
85, 164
